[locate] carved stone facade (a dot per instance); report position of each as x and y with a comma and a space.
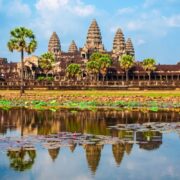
11, 71
73, 48
119, 46
55, 45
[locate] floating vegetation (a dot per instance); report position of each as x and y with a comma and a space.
151, 131
91, 101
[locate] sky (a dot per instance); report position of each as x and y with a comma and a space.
153, 25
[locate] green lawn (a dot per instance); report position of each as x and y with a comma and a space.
89, 93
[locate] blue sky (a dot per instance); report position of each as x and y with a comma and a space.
153, 25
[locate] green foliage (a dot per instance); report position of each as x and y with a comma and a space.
126, 62
73, 70
96, 56
92, 67
42, 78
99, 63
22, 39
149, 64
22, 159
50, 79
46, 61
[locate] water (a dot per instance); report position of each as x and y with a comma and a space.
102, 144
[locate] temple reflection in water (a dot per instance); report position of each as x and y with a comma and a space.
31, 122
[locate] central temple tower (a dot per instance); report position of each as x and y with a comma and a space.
55, 46
93, 40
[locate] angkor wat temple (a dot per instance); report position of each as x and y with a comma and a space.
165, 76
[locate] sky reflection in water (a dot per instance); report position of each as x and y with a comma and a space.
149, 158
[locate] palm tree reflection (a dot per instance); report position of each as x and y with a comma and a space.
21, 159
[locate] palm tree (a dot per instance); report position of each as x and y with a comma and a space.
46, 62
73, 70
92, 67
22, 40
149, 66
126, 62
22, 159
95, 56
105, 62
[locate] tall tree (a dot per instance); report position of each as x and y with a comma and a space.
95, 56
46, 62
149, 66
22, 40
73, 71
104, 62
92, 68
126, 62
21, 159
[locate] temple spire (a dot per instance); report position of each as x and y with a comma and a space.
94, 38
54, 45
73, 47
119, 45
130, 48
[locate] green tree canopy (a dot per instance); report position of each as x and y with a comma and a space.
99, 63
126, 62
105, 62
96, 56
22, 159
46, 61
92, 67
73, 70
149, 66
22, 40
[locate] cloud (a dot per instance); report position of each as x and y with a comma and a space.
76, 7
125, 11
173, 21
84, 11
135, 25
51, 5
17, 8
140, 42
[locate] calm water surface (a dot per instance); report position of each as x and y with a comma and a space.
78, 145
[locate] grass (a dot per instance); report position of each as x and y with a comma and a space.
97, 93
91, 99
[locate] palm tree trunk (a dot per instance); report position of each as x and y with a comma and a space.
22, 73
149, 74
22, 123
127, 78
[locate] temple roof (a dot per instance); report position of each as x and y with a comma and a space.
94, 38
72, 48
119, 42
55, 45
129, 47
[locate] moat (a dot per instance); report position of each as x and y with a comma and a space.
83, 144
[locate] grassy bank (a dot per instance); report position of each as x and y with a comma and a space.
39, 99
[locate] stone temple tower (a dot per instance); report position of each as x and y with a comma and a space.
55, 45
73, 47
94, 39
130, 48
119, 45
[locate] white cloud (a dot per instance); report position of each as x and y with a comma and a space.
84, 11
140, 42
173, 21
125, 11
51, 5
135, 25
149, 3
77, 7
16, 8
